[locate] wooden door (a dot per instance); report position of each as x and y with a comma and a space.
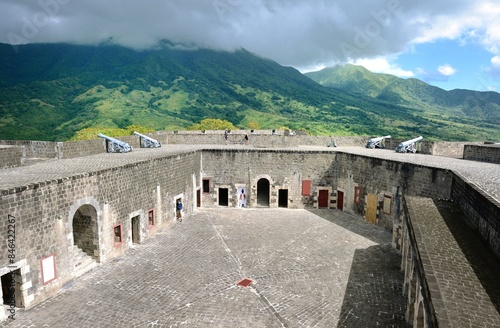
323, 199
371, 208
340, 200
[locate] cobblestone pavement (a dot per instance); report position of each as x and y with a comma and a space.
311, 268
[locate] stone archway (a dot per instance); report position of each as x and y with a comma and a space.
263, 192
85, 230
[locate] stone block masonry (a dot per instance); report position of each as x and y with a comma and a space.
10, 156
75, 216
282, 170
483, 153
451, 279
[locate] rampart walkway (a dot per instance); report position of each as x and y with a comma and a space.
485, 176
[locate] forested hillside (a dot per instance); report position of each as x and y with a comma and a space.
51, 91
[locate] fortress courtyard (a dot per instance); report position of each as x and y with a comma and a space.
310, 268
226, 266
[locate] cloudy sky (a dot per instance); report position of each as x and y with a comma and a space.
447, 43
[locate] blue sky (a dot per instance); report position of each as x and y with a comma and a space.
447, 64
447, 43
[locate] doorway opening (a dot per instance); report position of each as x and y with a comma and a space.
223, 197
136, 228
85, 229
11, 288
263, 192
283, 198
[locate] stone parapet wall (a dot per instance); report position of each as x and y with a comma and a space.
10, 156
454, 149
258, 139
483, 153
262, 140
482, 212
34, 149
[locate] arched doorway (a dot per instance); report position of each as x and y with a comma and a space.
85, 229
263, 192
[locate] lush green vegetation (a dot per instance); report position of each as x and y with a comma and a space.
60, 91
456, 114
213, 124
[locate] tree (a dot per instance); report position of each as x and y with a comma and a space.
252, 125
213, 124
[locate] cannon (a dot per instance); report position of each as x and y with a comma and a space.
114, 145
376, 142
147, 142
408, 146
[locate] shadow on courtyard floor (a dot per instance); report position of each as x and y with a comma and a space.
373, 296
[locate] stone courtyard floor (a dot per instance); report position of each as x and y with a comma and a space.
310, 268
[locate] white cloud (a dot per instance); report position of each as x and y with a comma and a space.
446, 70
292, 32
495, 62
382, 65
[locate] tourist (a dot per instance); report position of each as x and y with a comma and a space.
179, 210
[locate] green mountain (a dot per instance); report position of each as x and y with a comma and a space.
482, 108
50, 91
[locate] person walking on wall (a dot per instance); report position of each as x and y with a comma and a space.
178, 209
226, 136
246, 139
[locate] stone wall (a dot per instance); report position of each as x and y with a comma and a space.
383, 182
44, 214
10, 156
285, 170
482, 212
483, 153
452, 149
34, 149
259, 140
358, 178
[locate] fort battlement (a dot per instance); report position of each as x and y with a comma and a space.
75, 212
34, 151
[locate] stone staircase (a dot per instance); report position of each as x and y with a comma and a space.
82, 262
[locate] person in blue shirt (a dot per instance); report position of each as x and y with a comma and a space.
179, 210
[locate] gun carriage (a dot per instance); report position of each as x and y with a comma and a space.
114, 145
408, 146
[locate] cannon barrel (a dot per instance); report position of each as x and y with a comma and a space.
408, 146
147, 142
412, 141
114, 145
374, 142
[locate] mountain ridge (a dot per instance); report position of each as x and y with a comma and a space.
51, 91
409, 92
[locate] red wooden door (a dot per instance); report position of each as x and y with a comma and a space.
340, 200
323, 199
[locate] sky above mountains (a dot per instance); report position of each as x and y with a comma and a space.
447, 43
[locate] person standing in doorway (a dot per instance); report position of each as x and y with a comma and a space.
243, 198
179, 210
